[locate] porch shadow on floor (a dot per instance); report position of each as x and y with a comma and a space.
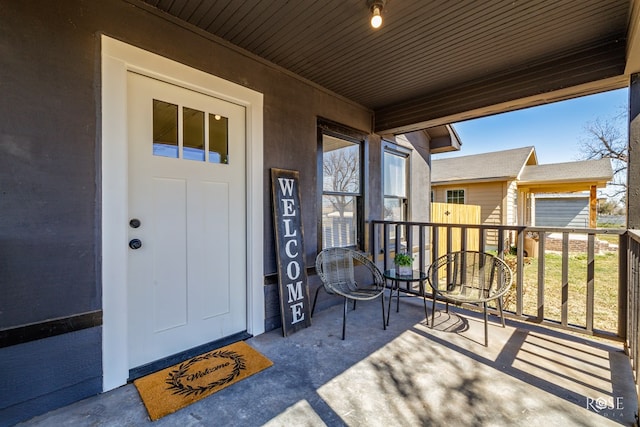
407, 375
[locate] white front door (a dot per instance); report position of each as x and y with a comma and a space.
187, 259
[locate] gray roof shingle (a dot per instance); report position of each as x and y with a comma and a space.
498, 165
586, 170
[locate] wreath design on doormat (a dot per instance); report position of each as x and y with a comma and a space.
174, 380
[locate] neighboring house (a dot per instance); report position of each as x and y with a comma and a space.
488, 180
507, 185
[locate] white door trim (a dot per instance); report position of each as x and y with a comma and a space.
117, 59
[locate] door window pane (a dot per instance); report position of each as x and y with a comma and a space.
193, 134
218, 139
339, 224
165, 129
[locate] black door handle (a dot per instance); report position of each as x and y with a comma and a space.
135, 243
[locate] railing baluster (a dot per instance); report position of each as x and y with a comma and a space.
565, 279
435, 247
463, 238
374, 245
624, 280
385, 243
633, 304
633, 318
408, 232
590, 280
636, 306
633, 256
421, 248
541, 266
520, 274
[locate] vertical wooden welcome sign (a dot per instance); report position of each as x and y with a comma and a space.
292, 274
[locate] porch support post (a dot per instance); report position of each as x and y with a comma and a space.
633, 165
593, 207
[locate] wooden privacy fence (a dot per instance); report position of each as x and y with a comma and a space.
451, 213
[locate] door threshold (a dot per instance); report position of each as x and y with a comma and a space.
174, 359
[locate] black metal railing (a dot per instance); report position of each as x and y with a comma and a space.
578, 295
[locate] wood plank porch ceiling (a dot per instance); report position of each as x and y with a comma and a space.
431, 60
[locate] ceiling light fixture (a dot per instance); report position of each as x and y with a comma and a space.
376, 10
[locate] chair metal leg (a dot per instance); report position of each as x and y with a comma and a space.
433, 310
486, 326
313, 307
344, 317
390, 299
426, 313
424, 300
384, 324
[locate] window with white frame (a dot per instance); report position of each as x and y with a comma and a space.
455, 196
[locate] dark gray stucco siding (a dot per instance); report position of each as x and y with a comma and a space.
50, 176
48, 239
43, 375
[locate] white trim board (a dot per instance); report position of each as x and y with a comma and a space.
118, 58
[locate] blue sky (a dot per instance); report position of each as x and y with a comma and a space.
555, 130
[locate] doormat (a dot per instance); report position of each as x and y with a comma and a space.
173, 388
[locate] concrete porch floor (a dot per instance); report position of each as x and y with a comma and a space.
408, 375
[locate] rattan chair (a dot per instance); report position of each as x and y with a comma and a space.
338, 269
470, 277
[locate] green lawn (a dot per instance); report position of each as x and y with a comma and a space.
605, 286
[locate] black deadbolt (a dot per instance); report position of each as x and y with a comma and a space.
135, 243
134, 223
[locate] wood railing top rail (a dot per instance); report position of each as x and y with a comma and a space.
614, 231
